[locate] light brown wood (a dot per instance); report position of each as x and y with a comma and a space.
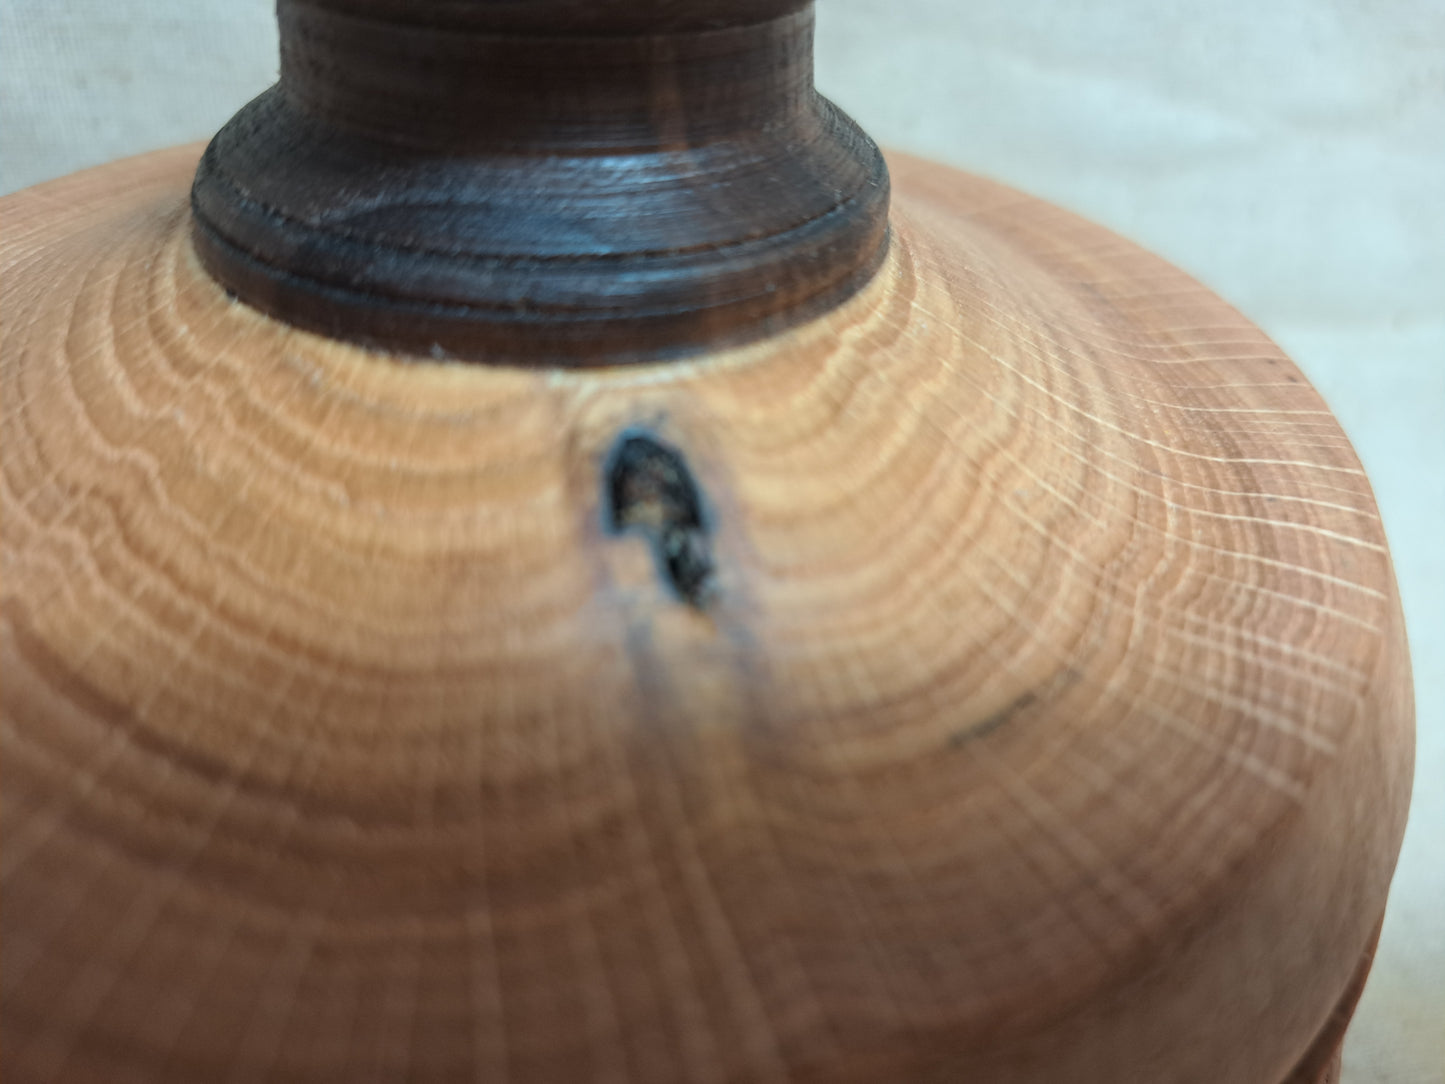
1047, 716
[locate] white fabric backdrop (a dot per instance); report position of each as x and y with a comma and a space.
1291, 154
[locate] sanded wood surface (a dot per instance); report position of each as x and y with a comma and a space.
999, 678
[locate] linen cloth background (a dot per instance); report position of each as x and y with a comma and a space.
1290, 154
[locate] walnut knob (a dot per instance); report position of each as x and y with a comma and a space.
560, 183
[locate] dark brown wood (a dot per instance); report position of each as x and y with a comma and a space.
557, 183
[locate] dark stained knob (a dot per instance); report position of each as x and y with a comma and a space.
542, 182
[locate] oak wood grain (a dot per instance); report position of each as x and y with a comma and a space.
1046, 715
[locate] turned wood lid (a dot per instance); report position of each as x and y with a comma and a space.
999, 678
560, 183
966, 650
